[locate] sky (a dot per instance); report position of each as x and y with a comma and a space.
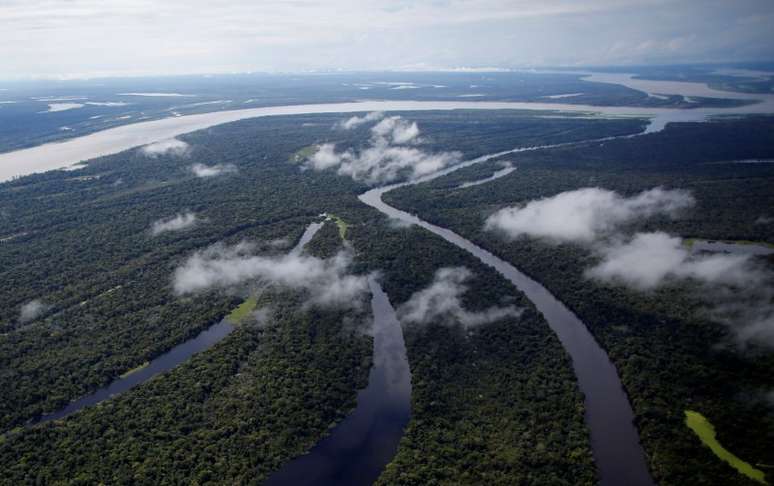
91, 38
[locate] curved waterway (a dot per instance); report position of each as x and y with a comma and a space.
615, 443
357, 450
731, 247
63, 154
165, 362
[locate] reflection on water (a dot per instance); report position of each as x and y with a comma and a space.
63, 154
175, 356
358, 449
731, 247
614, 439
180, 353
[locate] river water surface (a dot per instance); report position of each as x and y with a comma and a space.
357, 443
66, 153
358, 449
165, 362
615, 443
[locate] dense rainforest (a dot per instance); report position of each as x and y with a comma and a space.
493, 404
671, 353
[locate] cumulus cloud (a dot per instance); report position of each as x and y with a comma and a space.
203, 170
55, 107
32, 310
356, 121
173, 147
441, 300
649, 259
585, 214
737, 289
176, 223
397, 129
390, 154
327, 281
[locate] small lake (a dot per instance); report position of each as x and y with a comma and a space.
357, 450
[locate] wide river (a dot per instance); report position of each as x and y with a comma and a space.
614, 439
59, 155
358, 449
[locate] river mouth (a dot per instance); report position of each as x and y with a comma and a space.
357, 449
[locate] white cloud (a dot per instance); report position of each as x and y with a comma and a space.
325, 157
202, 170
387, 157
356, 121
738, 291
56, 107
176, 223
84, 37
172, 147
158, 95
396, 129
585, 214
649, 259
32, 310
327, 281
106, 103
441, 300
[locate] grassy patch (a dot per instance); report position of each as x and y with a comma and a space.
243, 310
748, 242
341, 224
706, 432
303, 154
134, 370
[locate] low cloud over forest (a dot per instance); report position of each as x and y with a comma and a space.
393, 150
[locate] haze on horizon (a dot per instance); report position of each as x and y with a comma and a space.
91, 38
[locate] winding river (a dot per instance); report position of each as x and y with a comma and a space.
614, 439
165, 362
364, 442
731, 247
358, 449
63, 154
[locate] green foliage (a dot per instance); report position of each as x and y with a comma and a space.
243, 310
706, 432
668, 351
495, 404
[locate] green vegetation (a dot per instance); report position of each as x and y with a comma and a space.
303, 154
134, 370
243, 311
495, 404
670, 353
706, 432
266, 393
341, 225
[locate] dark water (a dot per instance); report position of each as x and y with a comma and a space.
730, 247
358, 449
175, 356
180, 353
615, 443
